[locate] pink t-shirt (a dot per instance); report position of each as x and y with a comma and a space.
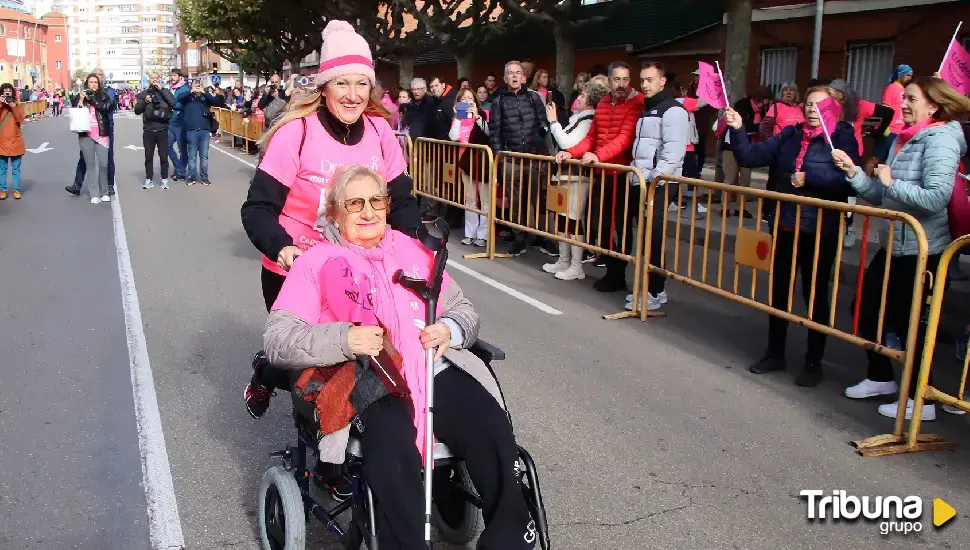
308, 174
95, 132
892, 97
785, 115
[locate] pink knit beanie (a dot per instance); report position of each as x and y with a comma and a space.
344, 52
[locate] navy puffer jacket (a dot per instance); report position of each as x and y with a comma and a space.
823, 179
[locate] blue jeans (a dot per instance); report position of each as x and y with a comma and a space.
176, 135
14, 172
198, 142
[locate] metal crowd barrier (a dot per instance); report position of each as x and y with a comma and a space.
755, 249
566, 202
234, 125
32, 108
440, 173
911, 440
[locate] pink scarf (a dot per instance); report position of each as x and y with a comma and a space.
362, 292
909, 132
808, 134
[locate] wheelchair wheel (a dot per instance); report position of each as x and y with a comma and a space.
282, 523
454, 514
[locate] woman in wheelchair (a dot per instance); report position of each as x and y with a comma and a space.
339, 302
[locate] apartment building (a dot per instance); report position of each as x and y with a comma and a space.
126, 38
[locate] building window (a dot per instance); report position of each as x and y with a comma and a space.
869, 67
57, 38
778, 67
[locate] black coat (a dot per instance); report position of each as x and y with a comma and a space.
419, 115
517, 122
103, 107
157, 113
823, 180
442, 115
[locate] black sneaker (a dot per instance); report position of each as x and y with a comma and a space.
73, 189
518, 249
206, 182
190, 181
610, 284
111, 190
589, 257
257, 395
177, 177
768, 363
810, 377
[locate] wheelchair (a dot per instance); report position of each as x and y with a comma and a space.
286, 504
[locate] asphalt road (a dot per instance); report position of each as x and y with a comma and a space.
646, 435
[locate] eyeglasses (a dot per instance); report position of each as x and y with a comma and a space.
377, 202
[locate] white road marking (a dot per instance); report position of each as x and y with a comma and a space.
164, 525
505, 288
42, 149
223, 151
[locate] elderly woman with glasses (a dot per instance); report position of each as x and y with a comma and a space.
340, 302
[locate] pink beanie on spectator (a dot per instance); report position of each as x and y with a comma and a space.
344, 52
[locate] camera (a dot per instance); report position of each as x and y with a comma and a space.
304, 81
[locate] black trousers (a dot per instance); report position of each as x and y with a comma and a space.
155, 140
899, 297
473, 425
780, 277
611, 223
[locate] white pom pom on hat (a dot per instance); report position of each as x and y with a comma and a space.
344, 52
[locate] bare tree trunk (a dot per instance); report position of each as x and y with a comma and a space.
466, 66
565, 57
405, 68
737, 37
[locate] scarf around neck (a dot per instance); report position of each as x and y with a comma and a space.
909, 132
808, 134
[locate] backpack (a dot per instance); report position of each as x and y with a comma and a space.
958, 209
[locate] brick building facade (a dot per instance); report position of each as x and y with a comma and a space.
34, 50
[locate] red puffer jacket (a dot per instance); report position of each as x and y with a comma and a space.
610, 137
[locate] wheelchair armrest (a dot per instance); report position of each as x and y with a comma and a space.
487, 352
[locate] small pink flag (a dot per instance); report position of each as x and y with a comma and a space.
956, 68
829, 112
710, 87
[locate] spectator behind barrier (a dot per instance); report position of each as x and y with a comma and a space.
517, 124
609, 140
801, 164
570, 264
475, 173
917, 179
752, 110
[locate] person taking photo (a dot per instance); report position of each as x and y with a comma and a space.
155, 106
195, 107
12, 147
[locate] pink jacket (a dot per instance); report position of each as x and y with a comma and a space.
348, 284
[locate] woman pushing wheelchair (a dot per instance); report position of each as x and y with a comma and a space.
339, 301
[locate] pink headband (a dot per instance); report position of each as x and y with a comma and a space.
345, 60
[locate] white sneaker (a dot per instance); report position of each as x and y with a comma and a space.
654, 301
165, 184
95, 200
953, 410
480, 243
148, 184
105, 198
889, 409
572, 273
673, 207
850, 238
561, 265
870, 388
466, 241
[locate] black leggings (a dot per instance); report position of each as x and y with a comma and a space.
781, 277
473, 426
269, 375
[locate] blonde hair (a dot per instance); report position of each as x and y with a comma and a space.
309, 104
345, 175
828, 90
535, 78
951, 104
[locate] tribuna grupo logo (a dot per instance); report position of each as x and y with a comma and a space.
900, 515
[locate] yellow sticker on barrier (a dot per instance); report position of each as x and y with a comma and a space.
942, 512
